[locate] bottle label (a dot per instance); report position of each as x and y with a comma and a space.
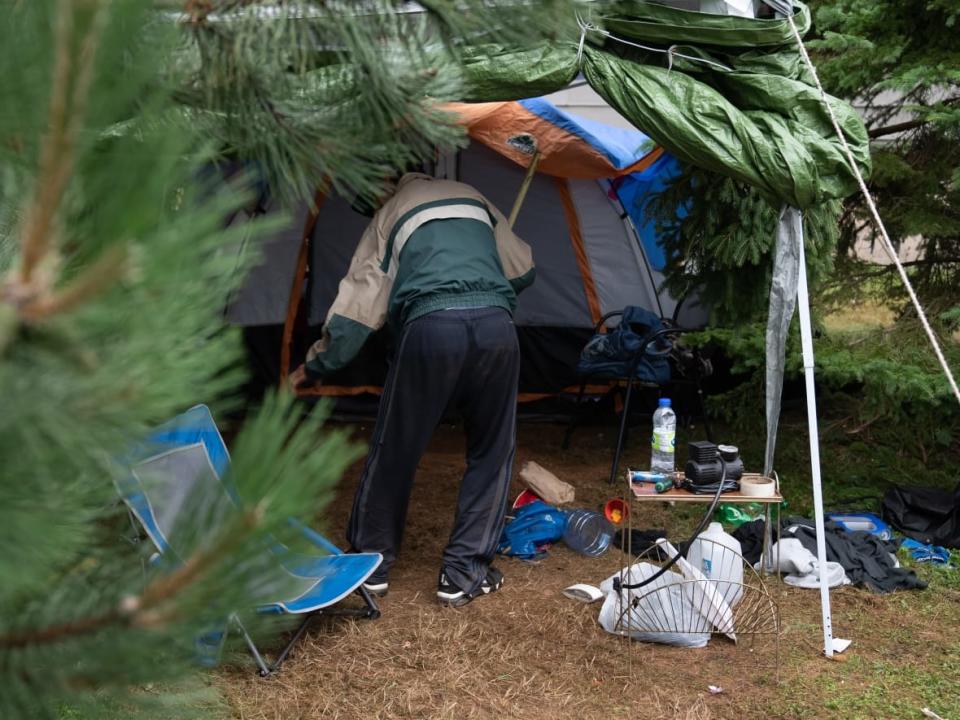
663, 440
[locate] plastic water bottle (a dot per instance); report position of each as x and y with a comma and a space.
587, 532
664, 434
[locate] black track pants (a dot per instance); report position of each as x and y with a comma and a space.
462, 360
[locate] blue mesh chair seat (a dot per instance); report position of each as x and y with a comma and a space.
183, 465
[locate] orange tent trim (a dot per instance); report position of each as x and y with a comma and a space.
579, 250
562, 154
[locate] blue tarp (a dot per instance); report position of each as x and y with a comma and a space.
635, 191
622, 147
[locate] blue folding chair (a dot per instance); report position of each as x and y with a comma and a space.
187, 456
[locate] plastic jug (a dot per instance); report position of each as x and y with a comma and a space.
718, 556
587, 532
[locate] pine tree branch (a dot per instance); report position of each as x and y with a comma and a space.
60, 631
66, 113
34, 296
169, 586
897, 128
54, 153
96, 278
142, 610
927, 262
906, 125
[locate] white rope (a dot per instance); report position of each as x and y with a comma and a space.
670, 52
888, 245
584, 28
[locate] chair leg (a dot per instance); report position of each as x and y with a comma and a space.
264, 669
624, 419
576, 417
298, 633
372, 611
626, 428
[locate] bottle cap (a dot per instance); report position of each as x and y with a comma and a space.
664, 402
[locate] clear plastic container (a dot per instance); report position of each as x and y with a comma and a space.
662, 444
718, 556
587, 532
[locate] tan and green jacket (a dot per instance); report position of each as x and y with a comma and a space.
434, 245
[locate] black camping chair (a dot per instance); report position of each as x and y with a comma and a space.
639, 351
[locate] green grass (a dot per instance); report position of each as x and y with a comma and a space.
906, 646
866, 689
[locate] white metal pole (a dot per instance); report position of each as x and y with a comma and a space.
806, 340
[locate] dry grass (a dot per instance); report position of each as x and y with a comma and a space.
860, 317
528, 652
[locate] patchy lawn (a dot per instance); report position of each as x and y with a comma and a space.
528, 652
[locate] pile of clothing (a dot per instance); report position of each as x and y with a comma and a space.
853, 557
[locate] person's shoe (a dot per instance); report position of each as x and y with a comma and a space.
379, 589
452, 596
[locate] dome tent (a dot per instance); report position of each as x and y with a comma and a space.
733, 95
583, 215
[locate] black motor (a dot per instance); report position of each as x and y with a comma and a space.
704, 468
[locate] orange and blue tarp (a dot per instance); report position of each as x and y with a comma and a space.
575, 147
569, 146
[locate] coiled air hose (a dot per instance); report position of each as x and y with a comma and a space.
618, 586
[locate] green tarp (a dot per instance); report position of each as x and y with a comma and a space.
746, 109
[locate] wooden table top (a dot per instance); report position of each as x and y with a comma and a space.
677, 495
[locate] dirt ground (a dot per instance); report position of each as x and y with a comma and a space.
529, 652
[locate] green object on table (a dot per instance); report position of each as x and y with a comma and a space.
737, 516
663, 485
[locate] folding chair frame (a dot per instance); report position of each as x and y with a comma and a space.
371, 612
631, 381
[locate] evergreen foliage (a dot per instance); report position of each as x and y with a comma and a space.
722, 246
897, 62
113, 276
343, 90
112, 298
874, 381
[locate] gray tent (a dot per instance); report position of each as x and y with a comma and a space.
590, 257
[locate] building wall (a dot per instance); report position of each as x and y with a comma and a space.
581, 99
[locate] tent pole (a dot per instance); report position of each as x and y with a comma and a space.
806, 339
296, 288
524, 186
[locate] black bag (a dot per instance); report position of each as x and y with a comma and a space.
929, 515
612, 354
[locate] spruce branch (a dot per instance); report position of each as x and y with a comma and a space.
907, 124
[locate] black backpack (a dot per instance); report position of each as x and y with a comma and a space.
929, 515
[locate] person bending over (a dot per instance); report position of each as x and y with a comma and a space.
440, 264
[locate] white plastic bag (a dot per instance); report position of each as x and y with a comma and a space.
654, 612
680, 609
